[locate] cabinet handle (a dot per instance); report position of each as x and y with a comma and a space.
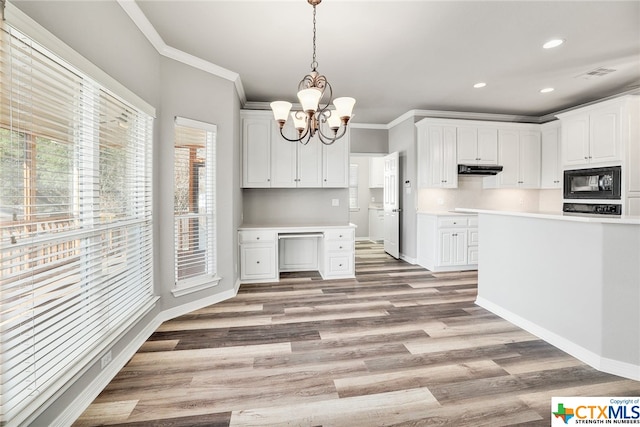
341, 235
325, 180
340, 247
257, 262
257, 238
268, 179
339, 265
586, 158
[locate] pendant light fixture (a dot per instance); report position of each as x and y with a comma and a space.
315, 116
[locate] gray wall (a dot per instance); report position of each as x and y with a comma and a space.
402, 138
369, 140
105, 35
295, 206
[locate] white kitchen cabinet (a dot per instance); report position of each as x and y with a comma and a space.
437, 167
256, 151
447, 242
519, 155
376, 172
453, 247
592, 135
551, 164
376, 225
335, 163
270, 161
339, 253
477, 145
258, 258
265, 252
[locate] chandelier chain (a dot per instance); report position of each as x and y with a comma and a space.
314, 63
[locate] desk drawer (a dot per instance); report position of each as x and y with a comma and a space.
256, 236
448, 222
339, 245
344, 234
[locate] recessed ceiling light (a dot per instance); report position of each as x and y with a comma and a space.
547, 90
479, 85
553, 43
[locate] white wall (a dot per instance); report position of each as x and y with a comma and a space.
470, 194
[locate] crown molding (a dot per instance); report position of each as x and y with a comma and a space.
138, 17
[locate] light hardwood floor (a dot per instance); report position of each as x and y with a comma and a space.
398, 345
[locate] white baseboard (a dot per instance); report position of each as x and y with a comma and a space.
89, 394
410, 260
592, 359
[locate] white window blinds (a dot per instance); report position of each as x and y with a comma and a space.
194, 202
75, 222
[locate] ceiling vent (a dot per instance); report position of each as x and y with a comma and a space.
598, 72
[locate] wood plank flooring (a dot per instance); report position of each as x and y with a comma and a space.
398, 346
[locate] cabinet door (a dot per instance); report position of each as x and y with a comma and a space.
376, 172
335, 164
309, 164
256, 152
434, 150
283, 157
487, 151
575, 140
453, 247
509, 158
529, 159
604, 133
449, 163
550, 168
467, 142
283, 162
257, 261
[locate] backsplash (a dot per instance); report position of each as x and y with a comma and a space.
470, 194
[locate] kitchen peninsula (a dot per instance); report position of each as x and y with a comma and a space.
573, 281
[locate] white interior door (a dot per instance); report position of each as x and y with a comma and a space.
391, 205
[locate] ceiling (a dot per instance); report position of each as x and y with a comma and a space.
396, 56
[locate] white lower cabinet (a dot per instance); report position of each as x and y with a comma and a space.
265, 252
447, 242
339, 253
258, 256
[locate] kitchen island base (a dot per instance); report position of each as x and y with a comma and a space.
573, 282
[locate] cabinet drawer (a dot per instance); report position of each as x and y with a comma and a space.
257, 262
339, 245
473, 237
449, 222
340, 264
255, 236
345, 234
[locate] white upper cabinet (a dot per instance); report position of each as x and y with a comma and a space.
519, 155
376, 172
477, 145
335, 163
256, 148
592, 135
551, 165
437, 167
270, 161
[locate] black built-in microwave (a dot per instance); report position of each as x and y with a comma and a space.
594, 183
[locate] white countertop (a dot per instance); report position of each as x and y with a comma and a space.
597, 219
296, 227
445, 213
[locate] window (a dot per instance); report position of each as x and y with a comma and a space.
353, 187
75, 222
194, 205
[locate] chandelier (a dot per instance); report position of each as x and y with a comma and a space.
315, 114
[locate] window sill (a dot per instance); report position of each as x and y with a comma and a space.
195, 285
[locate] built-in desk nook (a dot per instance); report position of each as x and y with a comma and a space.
265, 251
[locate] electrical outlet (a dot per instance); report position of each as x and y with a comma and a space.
106, 359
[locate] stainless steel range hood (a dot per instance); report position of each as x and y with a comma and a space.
479, 170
